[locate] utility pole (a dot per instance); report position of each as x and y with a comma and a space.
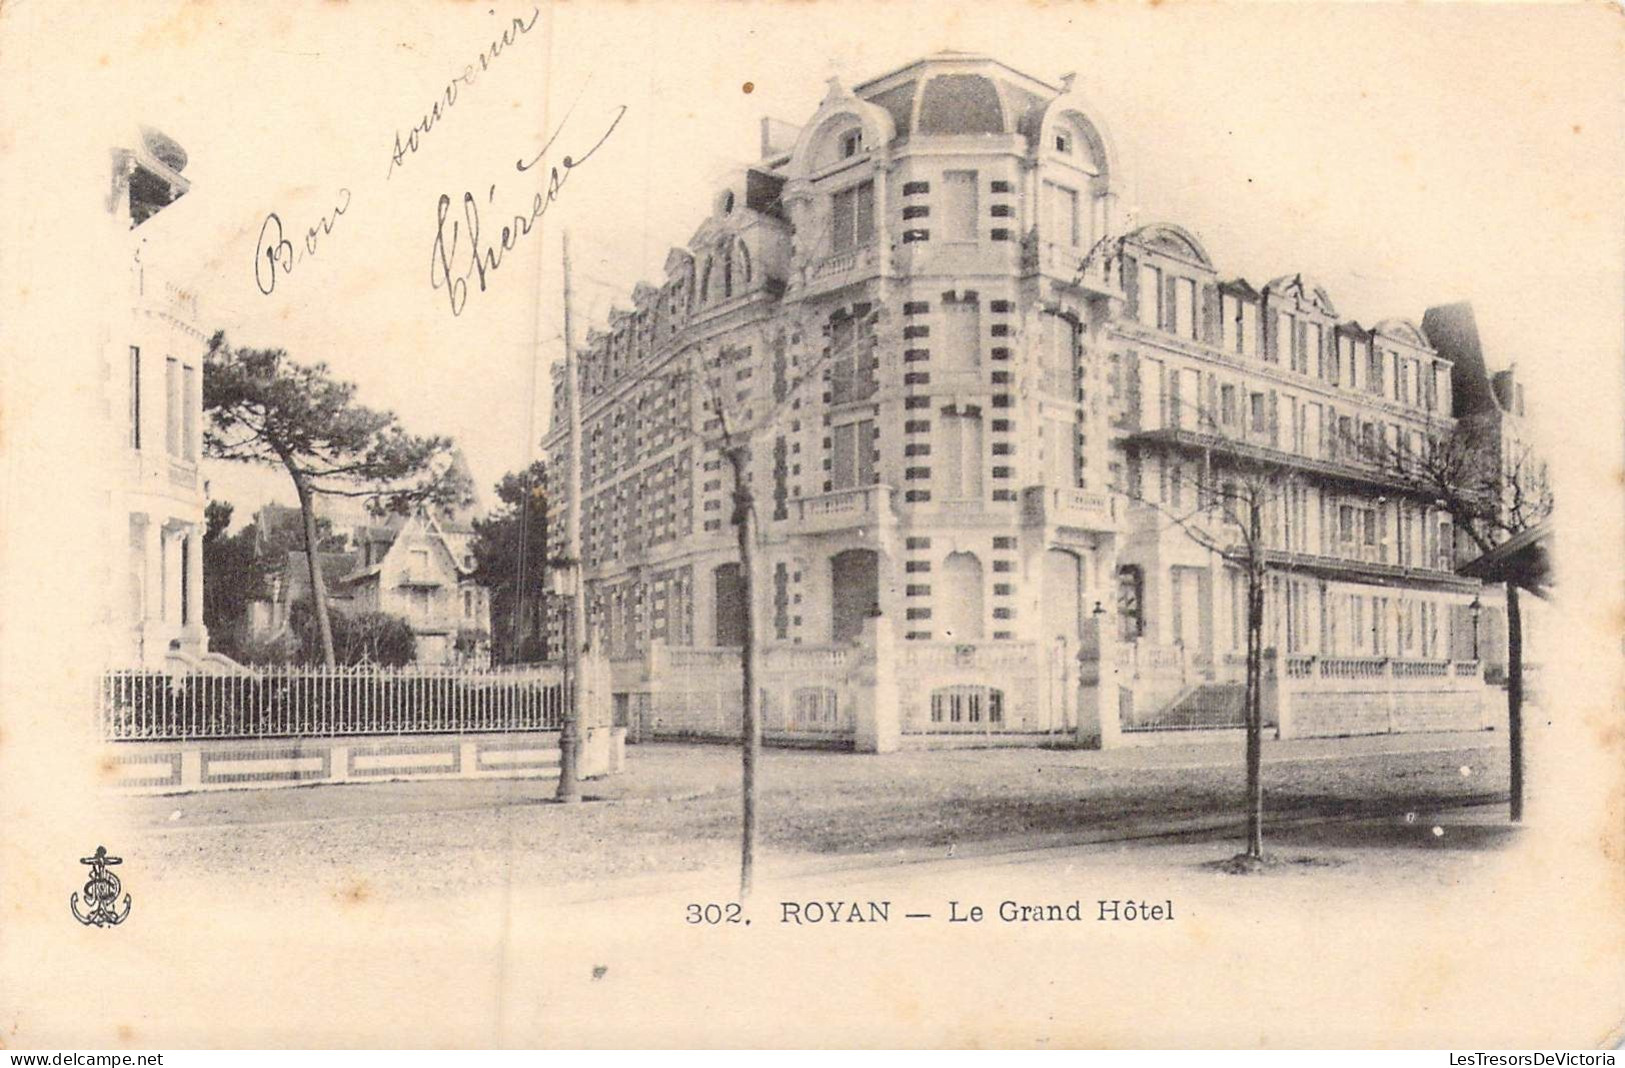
576, 628
744, 521
1515, 699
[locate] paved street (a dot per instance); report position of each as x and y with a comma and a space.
574, 925
676, 810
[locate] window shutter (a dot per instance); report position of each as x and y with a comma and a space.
1301, 342
1210, 314
1275, 418
1131, 286
1170, 299
1272, 336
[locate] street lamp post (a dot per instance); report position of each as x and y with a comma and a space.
1477, 608
568, 585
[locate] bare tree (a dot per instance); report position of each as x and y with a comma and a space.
1494, 488
734, 439
1234, 484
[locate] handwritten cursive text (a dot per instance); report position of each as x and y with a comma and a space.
408, 145
276, 253
459, 252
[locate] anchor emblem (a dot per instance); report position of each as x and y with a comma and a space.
101, 893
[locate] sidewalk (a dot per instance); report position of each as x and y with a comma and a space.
677, 810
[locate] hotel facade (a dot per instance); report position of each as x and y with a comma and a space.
976, 399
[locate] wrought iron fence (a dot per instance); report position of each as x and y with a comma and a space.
285, 702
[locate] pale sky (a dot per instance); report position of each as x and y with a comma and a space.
1402, 155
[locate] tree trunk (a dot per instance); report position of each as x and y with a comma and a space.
750, 721
318, 590
1255, 710
1255, 678
1515, 698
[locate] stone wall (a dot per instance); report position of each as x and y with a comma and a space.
226, 764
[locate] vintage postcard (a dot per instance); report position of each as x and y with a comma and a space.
817, 525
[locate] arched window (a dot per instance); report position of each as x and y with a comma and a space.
705, 282
967, 708
727, 272
1063, 594
841, 139
855, 582
961, 598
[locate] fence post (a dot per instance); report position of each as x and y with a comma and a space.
876, 724
1100, 722
1389, 677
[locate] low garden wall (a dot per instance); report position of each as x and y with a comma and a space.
160, 767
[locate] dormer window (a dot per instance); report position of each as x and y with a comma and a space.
851, 143
1063, 143
727, 203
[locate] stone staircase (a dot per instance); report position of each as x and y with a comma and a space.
1204, 706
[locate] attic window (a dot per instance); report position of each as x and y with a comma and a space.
727, 203
851, 144
1063, 144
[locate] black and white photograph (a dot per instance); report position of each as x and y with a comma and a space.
820, 525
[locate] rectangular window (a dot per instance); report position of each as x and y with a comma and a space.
1150, 309
852, 221
1229, 323
959, 465
1313, 357
1260, 415
135, 397
1151, 415
961, 336
1062, 205
1227, 405
1285, 329
172, 406
1058, 355
854, 458
189, 410
960, 205
1345, 523
852, 371
1185, 307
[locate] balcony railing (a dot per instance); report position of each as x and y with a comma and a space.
843, 509
1369, 560
850, 261
1066, 506
1380, 672
1256, 448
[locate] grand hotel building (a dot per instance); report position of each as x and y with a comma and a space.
973, 396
